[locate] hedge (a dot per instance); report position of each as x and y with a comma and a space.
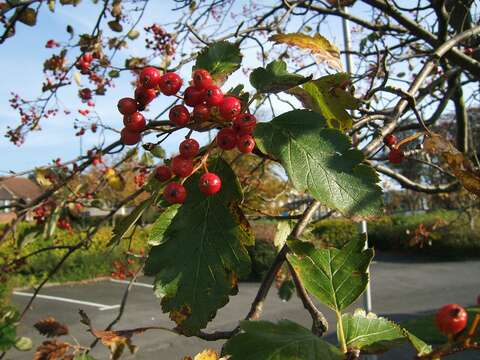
450, 237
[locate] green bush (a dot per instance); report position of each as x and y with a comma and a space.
447, 234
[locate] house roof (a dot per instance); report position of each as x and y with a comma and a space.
20, 187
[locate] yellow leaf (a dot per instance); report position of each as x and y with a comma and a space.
454, 160
207, 354
77, 78
321, 48
44, 177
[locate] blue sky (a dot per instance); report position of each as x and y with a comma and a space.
22, 57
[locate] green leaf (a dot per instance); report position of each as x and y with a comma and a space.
425, 328
275, 78
321, 161
337, 277
51, 5
8, 330
329, 96
282, 232
286, 340
23, 343
372, 334
286, 290
201, 253
156, 236
220, 59
114, 73
127, 223
28, 16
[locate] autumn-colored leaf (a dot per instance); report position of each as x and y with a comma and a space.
50, 327
51, 350
453, 160
322, 49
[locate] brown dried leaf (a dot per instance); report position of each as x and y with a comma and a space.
455, 161
50, 327
51, 350
321, 48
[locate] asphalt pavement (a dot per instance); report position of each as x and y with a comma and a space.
400, 290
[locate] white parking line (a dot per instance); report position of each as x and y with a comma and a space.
100, 307
135, 283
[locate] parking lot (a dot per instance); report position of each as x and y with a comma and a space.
400, 289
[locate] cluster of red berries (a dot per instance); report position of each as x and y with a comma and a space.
162, 40
209, 104
64, 224
83, 64
395, 156
451, 319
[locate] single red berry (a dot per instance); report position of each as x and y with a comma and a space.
134, 122
130, 137
149, 77
179, 115
181, 166
209, 183
189, 148
395, 156
468, 51
213, 95
175, 193
192, 96
170, 83
127, 106
244, 124
201, 112
163, 173
390, 140
245, 143
451, 319
144, 96
226, 139
87, 57
201, 79
230, 107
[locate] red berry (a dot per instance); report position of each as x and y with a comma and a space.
230, 107
179, 115
451, 319
244, 124
201, 112
245, 143
201, 78
189, 148
127, 106
193, 96
163, 173
209, 183
226, 139
144, 96
134, 122
87, 57
395, 156
175, 193
468, 51
149, 77
213, 95
390, 140
170, 83
181, 166
129, 137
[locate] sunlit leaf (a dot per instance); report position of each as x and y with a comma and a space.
321, 160
220, 59
321, 48
336, 277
